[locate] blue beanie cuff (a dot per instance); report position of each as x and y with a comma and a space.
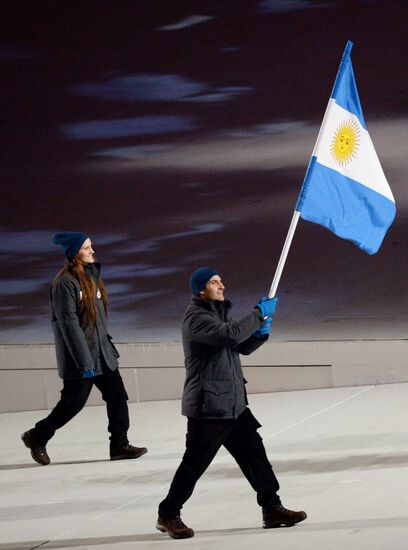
200, 277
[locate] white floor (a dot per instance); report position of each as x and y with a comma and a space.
340, 454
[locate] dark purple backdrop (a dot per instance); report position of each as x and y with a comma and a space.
176, 134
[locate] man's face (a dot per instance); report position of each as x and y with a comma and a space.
214, 289
86, 253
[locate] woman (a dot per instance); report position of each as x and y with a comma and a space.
85, 353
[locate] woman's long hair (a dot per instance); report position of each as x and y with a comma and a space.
87, 305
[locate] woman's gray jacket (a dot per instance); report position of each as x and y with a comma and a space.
79, 349
212, 341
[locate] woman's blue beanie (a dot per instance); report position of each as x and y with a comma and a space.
200, 277
70, 242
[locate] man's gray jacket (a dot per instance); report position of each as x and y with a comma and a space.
79, 349
212, 341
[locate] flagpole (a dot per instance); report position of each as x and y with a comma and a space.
284, 254
296, 213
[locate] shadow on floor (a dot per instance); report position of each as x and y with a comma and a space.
53, 463
302, 465
345, 525
319, 465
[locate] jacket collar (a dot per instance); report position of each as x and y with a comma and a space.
212, 305
93, 270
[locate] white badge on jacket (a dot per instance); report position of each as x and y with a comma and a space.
98, 294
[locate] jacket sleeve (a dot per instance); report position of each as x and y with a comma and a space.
206, 328
64, 303
251, 344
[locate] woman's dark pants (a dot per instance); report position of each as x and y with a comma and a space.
75, 394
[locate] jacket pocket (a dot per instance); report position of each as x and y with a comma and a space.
218, 397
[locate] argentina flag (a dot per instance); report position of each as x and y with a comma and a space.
345, 188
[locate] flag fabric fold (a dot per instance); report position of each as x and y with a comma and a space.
345, 189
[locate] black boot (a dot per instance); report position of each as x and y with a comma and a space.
278, 515
174, 527
38, 453
128, 451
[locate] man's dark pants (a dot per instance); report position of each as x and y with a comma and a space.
203, 441
75, 394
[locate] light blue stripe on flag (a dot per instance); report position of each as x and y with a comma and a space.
350, 210
345, 91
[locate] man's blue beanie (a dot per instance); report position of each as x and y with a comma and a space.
70, 242
200, 277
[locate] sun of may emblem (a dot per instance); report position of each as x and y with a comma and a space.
345, 142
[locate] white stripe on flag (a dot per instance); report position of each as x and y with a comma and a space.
364, 167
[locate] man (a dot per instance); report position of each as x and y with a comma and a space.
85, 353
215, 402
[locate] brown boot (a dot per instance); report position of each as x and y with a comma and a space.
174, 527
278, 515
39, 454
128, 451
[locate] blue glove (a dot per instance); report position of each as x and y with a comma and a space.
267, 306
89, 373
264, 330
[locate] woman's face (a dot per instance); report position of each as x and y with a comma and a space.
86, 253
